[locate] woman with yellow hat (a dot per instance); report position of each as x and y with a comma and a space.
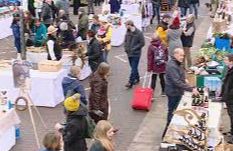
74, 132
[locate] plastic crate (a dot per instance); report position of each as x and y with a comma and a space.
222, 43
200, 79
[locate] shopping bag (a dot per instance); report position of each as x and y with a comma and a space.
142, 96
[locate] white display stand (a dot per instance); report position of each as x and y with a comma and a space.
7, 134
5, 29
130, 8
46, 89
66, 62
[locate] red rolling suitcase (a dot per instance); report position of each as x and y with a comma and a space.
142, 97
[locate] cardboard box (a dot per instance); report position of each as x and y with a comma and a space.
191, 79
49, 66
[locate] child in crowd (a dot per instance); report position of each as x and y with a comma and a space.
157, 57
51, 142
103, 134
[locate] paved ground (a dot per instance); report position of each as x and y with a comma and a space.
139, 131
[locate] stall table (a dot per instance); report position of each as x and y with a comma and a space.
46, 89
5, 29
8, 121
214, 111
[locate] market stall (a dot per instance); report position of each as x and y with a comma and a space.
38, 54
6, 20
45, 90
195, 124
8, 120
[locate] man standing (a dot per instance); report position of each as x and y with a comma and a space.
134, 41
156, 10
176, 82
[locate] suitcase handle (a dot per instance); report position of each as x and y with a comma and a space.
145, 79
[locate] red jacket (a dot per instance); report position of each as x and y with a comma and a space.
154, 49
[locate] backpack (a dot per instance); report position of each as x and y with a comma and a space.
159, 55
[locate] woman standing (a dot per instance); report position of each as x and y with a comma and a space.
157, 57
53, 47
16, 33
105, 37
98, 98
187, 38
173, 36
82, 24
94, 52
103, 134
227, 90
74, 132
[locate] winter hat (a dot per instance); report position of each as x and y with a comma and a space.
51, 29
63, 26
72, 103
176, 22
101, 31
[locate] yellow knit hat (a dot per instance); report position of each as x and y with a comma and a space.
72, 103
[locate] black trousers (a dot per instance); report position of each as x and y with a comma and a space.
154, 79
76, 5
230, 113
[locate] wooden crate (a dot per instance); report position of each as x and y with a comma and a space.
49, 66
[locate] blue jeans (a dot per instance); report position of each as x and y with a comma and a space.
18, 45
105, 56
156, 12
183, 11
173, 102
134, 76
194, 7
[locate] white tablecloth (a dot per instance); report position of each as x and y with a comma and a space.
46, 88
66, 61
118, 33
5, 29
130, 8
7, 124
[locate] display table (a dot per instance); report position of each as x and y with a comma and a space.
213, 112
35, 57
8, 121
5, 29
130, 8
118, 33
46, 89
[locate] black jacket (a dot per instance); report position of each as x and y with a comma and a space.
187, 41
95, 54
194, 2
75, 131
175, 79
134, 41
183, 3
156, 2
97, 146
227, 87
56, 48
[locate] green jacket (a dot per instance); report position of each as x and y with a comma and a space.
83, 26
41, 35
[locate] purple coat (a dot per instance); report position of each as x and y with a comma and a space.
151, 64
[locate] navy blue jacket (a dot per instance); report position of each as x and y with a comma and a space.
70, 82
16, 30
175, 79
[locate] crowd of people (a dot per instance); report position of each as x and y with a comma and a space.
168, 57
